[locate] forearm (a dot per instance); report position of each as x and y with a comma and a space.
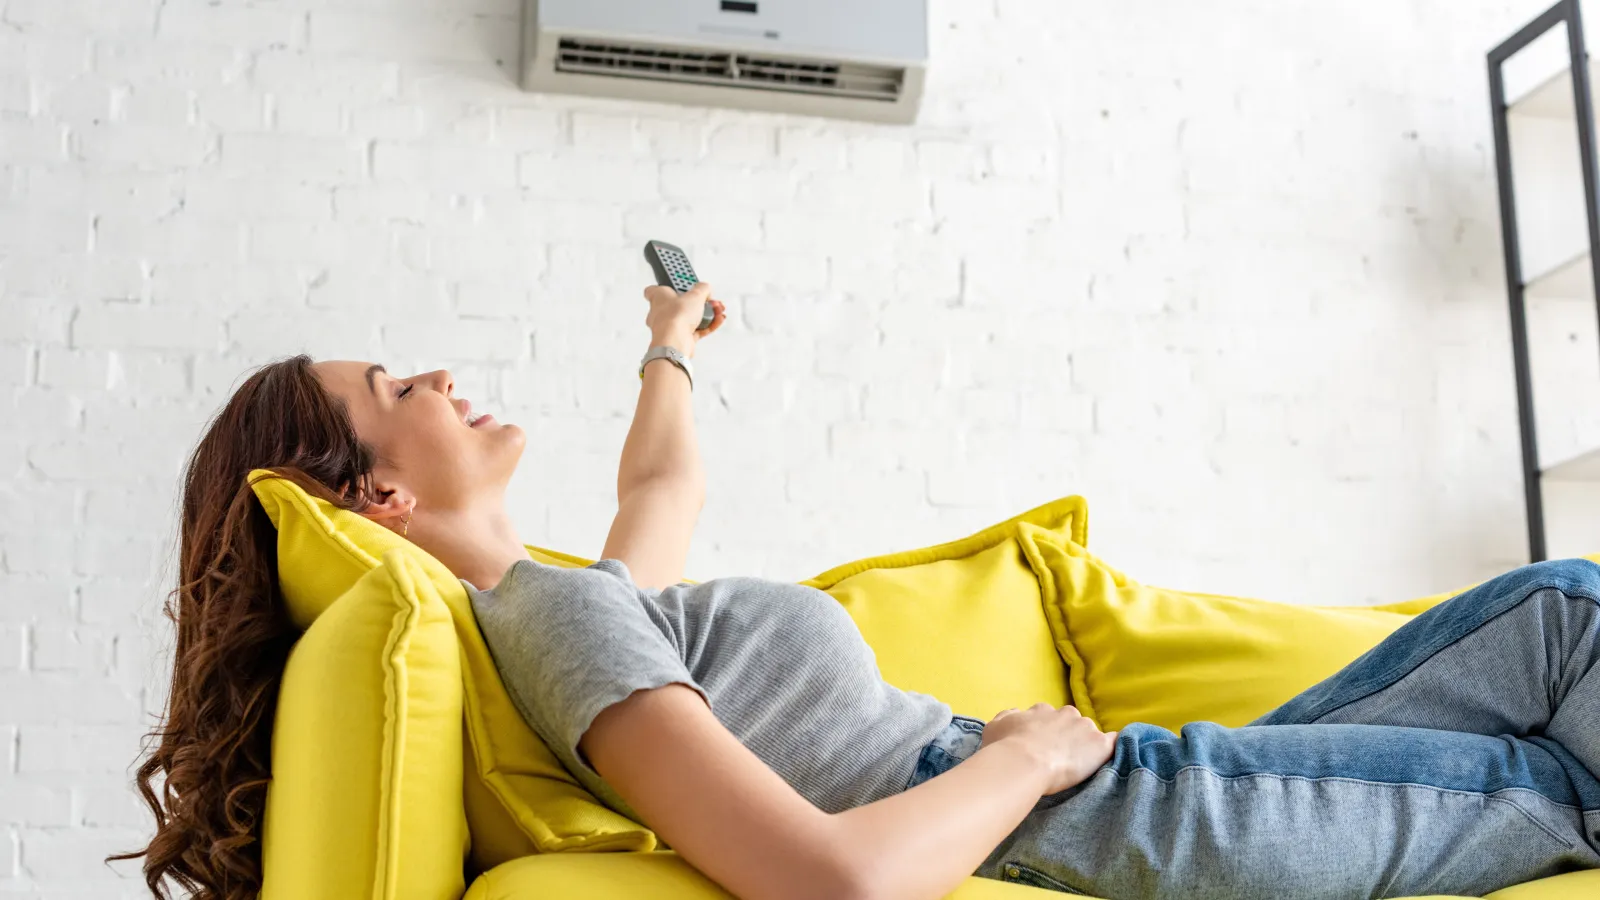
920, 844
661, 442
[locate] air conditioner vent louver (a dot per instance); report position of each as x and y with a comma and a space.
668, 63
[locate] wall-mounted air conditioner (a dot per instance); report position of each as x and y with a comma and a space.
856, 59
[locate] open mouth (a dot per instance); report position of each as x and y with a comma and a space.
472, 419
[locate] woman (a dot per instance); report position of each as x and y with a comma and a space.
744, 720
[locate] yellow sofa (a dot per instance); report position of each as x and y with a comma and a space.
400, 770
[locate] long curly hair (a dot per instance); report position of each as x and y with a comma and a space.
233, 628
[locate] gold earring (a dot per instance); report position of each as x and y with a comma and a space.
407, 522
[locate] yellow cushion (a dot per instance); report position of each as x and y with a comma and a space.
365, 797
518, 798
977, 600
1137, 653
1167, 657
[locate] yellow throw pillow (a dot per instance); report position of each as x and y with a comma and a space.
518, 798
365, 797
963, 620
1146, 654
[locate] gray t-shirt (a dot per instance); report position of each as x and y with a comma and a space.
782, 666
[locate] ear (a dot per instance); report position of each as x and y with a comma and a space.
391, 501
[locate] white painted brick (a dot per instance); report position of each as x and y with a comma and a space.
741, 144
51, 409
738, 187
595, 180
457, 167
309, 115
70, 650
471, 339
390, 34
16, 365
359, 203
117, 601
8, 855
291, 241
57, 856
231, 109
38, 505
212, 285
41, 805
33, 142
38, 597
154, 194
811, 148
670, 140
178, 63
173, 238
711, 225
53, 56
484, 299
113, 326
390, 121
486, 256
213, 197
323, 159
241, 26
144, 146
523, 128
64, 368
16, 95
13, 647
111, 805
132, 16
880, 156
167, 107
271, 331
282, 71
41, 701
36, 553
77, 102
47, 234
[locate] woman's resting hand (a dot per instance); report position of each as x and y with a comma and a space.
1065, 743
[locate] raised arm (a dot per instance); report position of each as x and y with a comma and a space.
660, 481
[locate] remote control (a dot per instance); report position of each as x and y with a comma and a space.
673, 270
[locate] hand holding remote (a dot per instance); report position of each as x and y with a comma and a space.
674, 318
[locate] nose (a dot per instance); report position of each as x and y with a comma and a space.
442, 381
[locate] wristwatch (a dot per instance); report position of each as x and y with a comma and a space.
672, 354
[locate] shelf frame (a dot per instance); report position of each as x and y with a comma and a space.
1565, 11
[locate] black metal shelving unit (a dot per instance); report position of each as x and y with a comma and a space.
1586, 466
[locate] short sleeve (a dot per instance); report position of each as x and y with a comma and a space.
570, 642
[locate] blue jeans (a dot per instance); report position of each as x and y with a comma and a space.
1459, 756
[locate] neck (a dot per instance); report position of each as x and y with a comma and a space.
476, 544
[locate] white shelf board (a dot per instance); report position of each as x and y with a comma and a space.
1568, 279
1552, 98
1584, 467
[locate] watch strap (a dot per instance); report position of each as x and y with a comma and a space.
671, 354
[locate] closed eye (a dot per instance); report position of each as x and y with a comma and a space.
402, 394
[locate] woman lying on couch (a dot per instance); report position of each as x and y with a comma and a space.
745, 720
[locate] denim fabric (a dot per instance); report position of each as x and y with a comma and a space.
1459, 756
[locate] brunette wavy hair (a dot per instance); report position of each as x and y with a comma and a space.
233, 629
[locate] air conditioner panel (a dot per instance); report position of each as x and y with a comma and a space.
883, 29
768, 74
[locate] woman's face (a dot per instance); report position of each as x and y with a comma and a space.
427, 452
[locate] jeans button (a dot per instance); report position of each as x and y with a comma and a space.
1012, 871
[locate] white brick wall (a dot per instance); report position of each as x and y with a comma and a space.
1231, 273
